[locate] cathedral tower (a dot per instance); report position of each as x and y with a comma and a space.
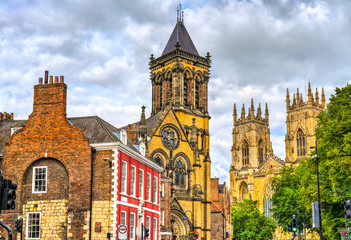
177, 132
253, 161
301, 122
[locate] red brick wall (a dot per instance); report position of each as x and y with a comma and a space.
47, 135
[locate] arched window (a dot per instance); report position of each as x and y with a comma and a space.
197, 85
245, 153
244, 191
260, 152
179, 173
182, 181
267, 202
301, 143
176, 177
186, 89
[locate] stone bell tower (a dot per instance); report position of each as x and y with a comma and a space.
301, 122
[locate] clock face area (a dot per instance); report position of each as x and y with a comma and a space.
170, 137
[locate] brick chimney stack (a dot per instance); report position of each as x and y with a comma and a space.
50, 98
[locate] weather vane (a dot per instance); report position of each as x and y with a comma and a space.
180, 13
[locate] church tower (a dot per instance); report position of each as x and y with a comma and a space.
253, 161
301, 123
178, 130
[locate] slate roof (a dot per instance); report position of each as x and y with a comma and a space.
181, 35
150, 122
94, 128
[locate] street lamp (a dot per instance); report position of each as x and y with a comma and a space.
319, 195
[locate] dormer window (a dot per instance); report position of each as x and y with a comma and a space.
142, 148
124, 137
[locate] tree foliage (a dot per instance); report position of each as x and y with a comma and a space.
249, 223
287, 200
298, 188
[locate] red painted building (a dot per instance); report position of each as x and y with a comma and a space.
136, 190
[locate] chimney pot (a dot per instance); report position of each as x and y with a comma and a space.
56, 79
62, 79
51, 79
46, 76
40, 80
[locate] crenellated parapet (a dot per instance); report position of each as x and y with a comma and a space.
298, 102
251, 115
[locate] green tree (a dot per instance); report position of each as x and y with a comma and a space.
286, 200
333, 135
249, 223
296, 189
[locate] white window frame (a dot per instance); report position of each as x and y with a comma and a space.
132, 226
162, 192
125, 217
141, 184
124, 137
148, 187
124, 178
163, 217
142, 148
148, 223
132, 180
34, 179
155, 189
27, 228
154, 229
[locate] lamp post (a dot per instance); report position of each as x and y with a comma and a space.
319, 195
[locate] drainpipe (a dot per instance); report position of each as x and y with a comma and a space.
93, 150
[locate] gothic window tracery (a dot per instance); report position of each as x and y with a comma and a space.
301, 143
244, 191
197, 97
260, 152
170, 137
179, 173
245, 153
267, 202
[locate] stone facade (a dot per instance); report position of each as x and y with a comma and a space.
253, 161
301, 122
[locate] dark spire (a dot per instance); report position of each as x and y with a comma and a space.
180, 37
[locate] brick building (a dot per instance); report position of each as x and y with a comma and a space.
78, 178
221, 224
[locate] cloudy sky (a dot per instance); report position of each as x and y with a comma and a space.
259, 49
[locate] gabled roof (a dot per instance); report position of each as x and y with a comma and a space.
181, 35
94, 128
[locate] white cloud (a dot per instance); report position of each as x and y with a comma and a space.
259, 49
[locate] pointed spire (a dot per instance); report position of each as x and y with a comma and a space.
317, 97
243, 113
298, 97
287, 99
294, 100
259, 112
266, 114
310, 96
142, 127
234, 115
323, 98
252, 110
